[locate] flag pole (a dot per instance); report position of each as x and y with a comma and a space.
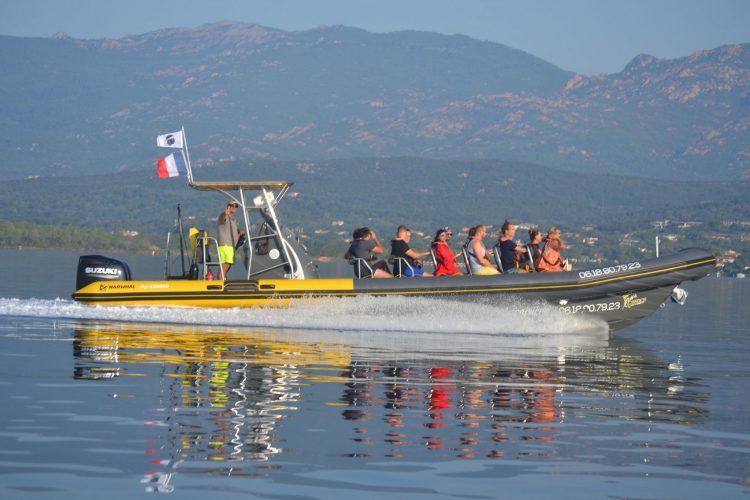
187, 156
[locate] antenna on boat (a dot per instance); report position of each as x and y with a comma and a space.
182, 238
187, 156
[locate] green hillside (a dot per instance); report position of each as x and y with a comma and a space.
383, 193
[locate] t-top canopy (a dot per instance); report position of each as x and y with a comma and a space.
244, 185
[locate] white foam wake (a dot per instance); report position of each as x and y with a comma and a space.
391, 314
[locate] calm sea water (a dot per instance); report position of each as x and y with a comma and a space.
366, 398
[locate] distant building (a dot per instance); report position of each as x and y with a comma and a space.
685, 224
591, 241
717, 236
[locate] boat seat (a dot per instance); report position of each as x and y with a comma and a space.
433, 256
467, 263
399, 266
361, 265
530, 258
498, 262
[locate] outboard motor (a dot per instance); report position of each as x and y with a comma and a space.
93, 268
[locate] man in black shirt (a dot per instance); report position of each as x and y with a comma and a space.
400, 248
508, 248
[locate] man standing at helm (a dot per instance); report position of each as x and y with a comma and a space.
229, 234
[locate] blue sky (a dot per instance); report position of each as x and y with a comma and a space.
587, 36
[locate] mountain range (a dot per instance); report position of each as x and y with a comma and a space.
243, 91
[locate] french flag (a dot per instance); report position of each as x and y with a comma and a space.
171, 166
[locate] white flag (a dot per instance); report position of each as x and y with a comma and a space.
173, 140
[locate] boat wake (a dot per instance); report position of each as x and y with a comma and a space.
381, 314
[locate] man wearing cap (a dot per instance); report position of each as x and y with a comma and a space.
229, 234
400, 248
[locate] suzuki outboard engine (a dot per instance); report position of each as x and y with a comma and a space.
93, 268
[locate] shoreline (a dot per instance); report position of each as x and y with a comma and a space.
21, 248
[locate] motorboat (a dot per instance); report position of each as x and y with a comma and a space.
279, 272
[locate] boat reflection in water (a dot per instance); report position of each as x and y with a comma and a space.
232, 395
244, 378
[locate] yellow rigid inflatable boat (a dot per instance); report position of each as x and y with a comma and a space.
279, 271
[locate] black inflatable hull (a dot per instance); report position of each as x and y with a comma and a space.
620, 294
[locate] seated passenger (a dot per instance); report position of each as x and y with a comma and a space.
400, 248
535, 253
551, 261
480, 264
363, 246
446, 259
509, 251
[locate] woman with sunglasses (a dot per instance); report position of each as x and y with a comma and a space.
446, 259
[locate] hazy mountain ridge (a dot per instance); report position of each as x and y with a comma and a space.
246, 91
